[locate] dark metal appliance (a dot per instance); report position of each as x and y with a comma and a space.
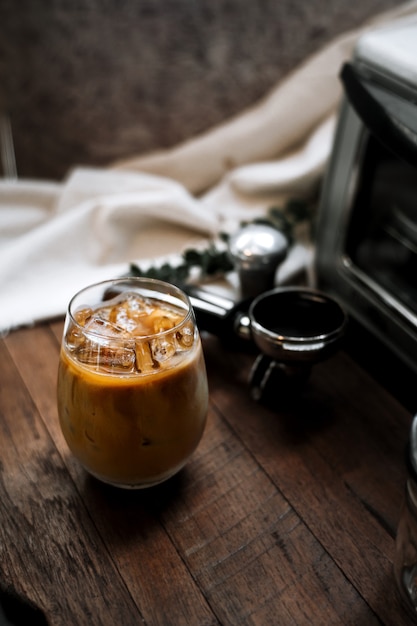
367, 228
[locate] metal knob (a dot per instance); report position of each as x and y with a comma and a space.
256, 251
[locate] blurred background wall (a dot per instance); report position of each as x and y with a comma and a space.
88, 82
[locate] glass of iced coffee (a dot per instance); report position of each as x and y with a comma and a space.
132, 384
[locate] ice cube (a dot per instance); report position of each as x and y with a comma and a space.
109, 359
163, 348
185, 336
120, 361
74, 337
138, 305
82, 315
98, 326
163, 321
120, 317
129, 311
145, 363
74, 334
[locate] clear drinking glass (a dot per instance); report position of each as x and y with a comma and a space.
132, 384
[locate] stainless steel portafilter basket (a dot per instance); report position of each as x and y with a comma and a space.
292, 327
296, 325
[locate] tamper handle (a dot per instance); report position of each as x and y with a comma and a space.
256, 251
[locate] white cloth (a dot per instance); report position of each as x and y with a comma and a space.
56, 238
84, 230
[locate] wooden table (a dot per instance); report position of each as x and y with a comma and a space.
284, 516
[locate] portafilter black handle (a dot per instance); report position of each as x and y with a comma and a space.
219, 315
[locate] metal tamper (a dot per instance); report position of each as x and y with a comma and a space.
256, 251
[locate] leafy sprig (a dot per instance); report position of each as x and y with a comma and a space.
215, 260
208, 262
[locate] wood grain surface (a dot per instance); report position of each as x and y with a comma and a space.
285, 515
